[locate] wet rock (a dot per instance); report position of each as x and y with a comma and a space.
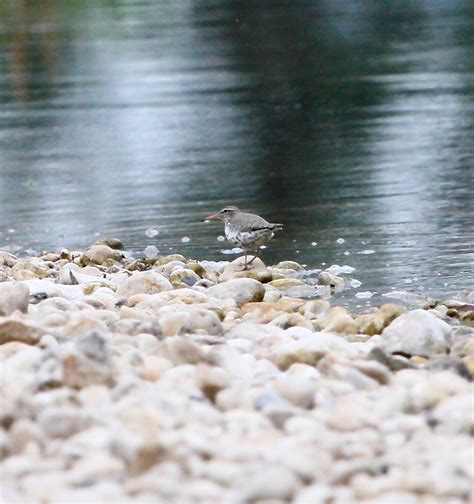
18, 330
293, 287
235, 269
113, 243
161, 261
289, 265
242, 290
416, 333
331, 280
143, 282
13, 296
98, 254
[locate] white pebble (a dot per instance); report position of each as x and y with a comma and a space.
151, 233
366, 252
346, 253
220, 238
185, 239
340, 241
354, 283
313, 244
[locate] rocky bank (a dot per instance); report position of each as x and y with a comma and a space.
172, 380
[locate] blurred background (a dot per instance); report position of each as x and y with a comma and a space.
352, 122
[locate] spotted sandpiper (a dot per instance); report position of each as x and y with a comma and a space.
245, 230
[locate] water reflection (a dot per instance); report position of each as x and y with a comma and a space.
341, 119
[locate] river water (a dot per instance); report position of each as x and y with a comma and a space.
351, 122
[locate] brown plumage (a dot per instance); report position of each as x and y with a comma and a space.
245, 230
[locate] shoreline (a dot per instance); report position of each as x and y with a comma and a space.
173, 379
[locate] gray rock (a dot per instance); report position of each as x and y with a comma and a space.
416, 333
13, 296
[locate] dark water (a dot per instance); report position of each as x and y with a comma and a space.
342, 119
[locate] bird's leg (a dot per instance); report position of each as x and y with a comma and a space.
255, 256
245, 261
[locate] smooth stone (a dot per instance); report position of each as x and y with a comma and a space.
113, 243
7, 259
185, 295
212, 380
144, 282
13, 296
188, 320
180, 350
92, 396
184, 277
331, 280
375, 323
242, 290
308, 350
339, 320
98, 254
299, 390
289, 265
36, 266
154, 367
87, 361
235, 269
18, 330
275, 483
416, 333
62, 422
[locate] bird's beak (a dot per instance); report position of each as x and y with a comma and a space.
212, 217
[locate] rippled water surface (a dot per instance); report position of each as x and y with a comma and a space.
341, 119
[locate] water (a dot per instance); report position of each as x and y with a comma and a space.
341, 119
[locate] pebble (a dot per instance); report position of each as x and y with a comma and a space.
172, 380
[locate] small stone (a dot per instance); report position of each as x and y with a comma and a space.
113, 243
242, 290
416, 333
143, 282
98, 254
13, 296
17, 330
212, 380
235, 269
339, 320
333, 281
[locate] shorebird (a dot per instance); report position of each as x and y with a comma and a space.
245, 230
